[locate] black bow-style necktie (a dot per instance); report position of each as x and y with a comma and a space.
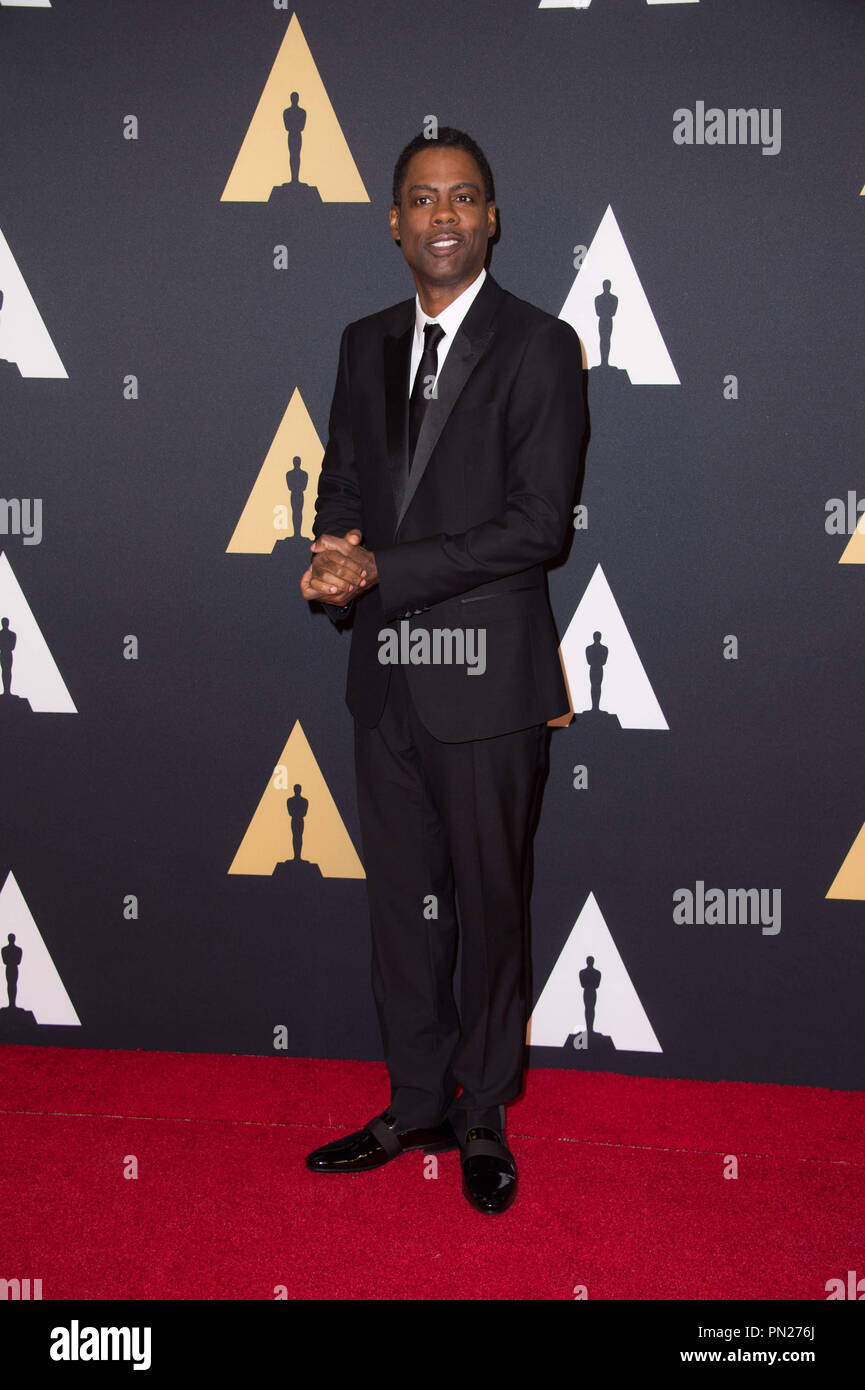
421, 390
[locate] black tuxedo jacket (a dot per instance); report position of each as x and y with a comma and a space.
465, 536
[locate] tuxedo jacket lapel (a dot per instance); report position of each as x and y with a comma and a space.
471, 341
397, 357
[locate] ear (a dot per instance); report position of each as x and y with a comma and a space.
393, 220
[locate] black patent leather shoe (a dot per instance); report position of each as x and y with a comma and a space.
489, 1171
377, 1143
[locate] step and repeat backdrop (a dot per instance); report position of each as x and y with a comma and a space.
194, 204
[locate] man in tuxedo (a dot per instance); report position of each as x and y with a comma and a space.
449, 479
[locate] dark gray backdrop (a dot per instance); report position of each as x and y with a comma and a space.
707, 515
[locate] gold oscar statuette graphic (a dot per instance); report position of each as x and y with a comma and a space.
297, 833
281, 505
294, 147
850, 879
854, 551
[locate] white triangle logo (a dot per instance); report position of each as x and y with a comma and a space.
34, 674
560, 1011
40, 989
24, 339
618, 308
625, 689
584, 4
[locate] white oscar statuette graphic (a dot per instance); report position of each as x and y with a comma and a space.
626, 693
34, 674
584, 4
40, 990
619, 1015
24, 339
607, 288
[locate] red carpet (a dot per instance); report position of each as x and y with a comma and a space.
621, 1186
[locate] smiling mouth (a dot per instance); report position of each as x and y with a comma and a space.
443, 245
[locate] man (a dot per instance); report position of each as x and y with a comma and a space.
449, 478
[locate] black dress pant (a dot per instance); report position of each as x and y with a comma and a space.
446, 831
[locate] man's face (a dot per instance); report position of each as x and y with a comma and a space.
444, 223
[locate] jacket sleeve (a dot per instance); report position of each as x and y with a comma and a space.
336, 614
545, 427
337, 505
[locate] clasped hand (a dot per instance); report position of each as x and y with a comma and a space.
341, 568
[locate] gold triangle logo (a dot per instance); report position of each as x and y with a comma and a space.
294, 123
850, 879
281, 505
854, 551
297, 832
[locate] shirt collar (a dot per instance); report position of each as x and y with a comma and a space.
451, 317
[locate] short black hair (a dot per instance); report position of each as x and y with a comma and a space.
455, 139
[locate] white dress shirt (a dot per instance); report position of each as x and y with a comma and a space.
449, 319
